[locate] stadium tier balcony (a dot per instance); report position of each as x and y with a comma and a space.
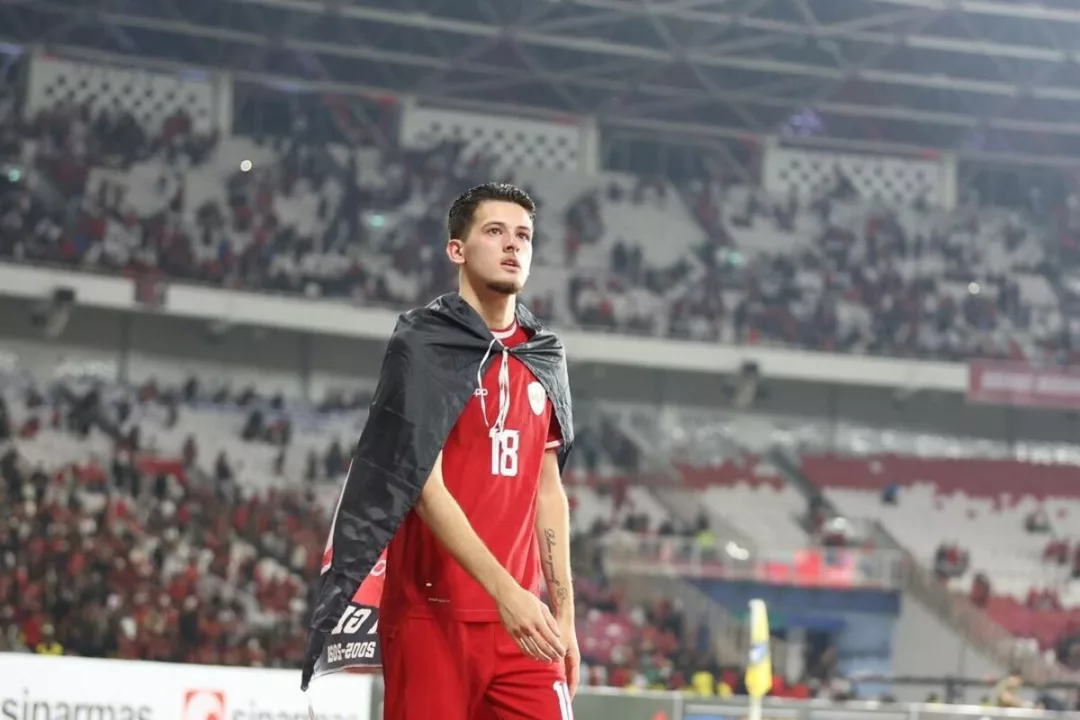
988, 509
1005, 513
614, 253
190, 519
690, 557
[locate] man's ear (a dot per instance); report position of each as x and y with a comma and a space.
455, 250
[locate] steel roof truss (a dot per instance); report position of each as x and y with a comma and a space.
605, 47
613, 71
1000, 8
430, 63
707, 84
858, 28
557, 85
630, 73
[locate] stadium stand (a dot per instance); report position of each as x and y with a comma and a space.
193, 518
291, 215
184, 501
997, 512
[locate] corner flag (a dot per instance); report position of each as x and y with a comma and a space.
759, 667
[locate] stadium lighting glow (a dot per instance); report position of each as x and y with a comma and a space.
736, 552
245, 166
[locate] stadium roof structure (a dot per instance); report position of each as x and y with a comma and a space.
992, 78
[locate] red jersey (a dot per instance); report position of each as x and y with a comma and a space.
491, 465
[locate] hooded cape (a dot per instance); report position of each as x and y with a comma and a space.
428, 375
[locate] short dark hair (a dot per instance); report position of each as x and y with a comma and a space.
462, 213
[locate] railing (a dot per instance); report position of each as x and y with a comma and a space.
660, 555
825, 710
668, 484
687, 507
728, 635
663, 556
604, 703
652, 566
978, 628
958, 612
971, 622
676, 556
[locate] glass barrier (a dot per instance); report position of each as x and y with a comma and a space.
604, 703
825, 710
703, 558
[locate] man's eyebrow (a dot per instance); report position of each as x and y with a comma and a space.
527, 228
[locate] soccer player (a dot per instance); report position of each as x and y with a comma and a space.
463, 630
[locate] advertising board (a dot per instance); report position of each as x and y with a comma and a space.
1023, 385
38, 687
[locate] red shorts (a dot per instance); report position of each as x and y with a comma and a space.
453, 670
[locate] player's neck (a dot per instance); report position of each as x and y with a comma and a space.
496, 309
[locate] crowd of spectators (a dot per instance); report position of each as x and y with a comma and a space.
100, 192
234, 238
887, 280
146, 552
172, 557
145, 556
149, 554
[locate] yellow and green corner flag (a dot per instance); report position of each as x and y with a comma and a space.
759, 667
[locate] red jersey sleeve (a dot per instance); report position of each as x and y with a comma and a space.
554, 438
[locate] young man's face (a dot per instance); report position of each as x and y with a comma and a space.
496, 254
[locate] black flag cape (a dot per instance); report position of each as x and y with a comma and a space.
427, 377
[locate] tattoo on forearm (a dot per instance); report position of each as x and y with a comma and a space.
559, 592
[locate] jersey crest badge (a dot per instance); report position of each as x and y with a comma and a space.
537, 398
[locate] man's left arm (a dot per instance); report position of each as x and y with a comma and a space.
553, 534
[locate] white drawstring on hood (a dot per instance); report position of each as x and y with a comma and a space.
504, 388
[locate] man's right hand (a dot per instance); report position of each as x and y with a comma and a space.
530, 623
523, 615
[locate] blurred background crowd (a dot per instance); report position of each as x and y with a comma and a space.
180, 517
